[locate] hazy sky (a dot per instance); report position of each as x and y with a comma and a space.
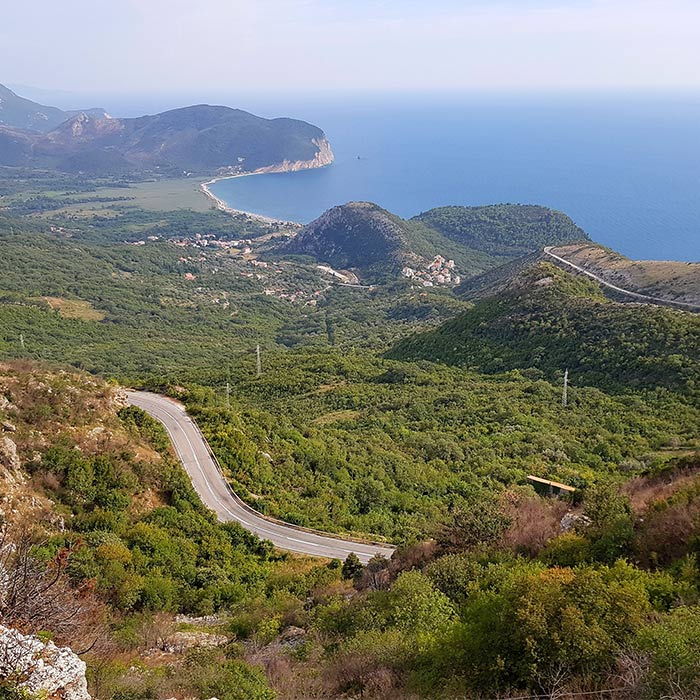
133, 46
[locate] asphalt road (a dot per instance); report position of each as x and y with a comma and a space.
634, 295
216, 494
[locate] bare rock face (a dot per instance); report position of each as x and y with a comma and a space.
119, 398
324, 156
574, 522
8, 454
43, 669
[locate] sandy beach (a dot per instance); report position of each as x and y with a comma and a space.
222, 206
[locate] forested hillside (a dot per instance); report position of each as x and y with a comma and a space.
364, 237
495, 591
351, 443
198, 138
503, 229
552, 321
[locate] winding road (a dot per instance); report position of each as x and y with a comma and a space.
209, 482
634, 295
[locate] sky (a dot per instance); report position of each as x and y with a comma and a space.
168, 46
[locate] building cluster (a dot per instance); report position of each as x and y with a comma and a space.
237, 257
440, 272
209, 240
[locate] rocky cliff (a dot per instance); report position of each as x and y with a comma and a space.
323, 157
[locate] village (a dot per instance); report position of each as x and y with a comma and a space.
280, 279
440, 272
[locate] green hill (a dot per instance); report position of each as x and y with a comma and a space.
356, 235
549, 320
507, 230
365, 237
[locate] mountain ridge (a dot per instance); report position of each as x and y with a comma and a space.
21, 113
198, 139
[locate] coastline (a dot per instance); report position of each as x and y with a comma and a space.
323, 158
222, 206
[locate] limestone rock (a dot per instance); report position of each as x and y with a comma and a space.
8, 454
573, 522
43, 669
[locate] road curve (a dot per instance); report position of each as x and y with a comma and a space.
634, 295
208, 481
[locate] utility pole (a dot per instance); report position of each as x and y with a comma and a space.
21, 340
259, 363
228, 395
565, 394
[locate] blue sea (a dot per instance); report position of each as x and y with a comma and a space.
625, 168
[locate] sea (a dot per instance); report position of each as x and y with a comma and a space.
625, 167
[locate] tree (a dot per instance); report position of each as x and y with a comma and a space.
352, 567
672, 646
36, 596
611, 528
419, 609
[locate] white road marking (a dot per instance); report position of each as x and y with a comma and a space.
325, 545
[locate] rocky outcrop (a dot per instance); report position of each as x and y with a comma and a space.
42, 669
8, 454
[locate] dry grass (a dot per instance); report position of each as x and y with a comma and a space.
336, 417
74, 308
534, 521
676, 281
644, 491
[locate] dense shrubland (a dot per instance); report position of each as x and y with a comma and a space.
491, 594
550, 320
344, 442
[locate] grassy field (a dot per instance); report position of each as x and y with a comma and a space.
156, 195
74, 308
159, 195
164, 195
667, 279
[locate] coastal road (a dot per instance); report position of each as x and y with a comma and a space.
634, 295
215, 492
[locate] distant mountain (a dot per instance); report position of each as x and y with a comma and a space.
541, 317
199, 139
366, 238
20, 113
